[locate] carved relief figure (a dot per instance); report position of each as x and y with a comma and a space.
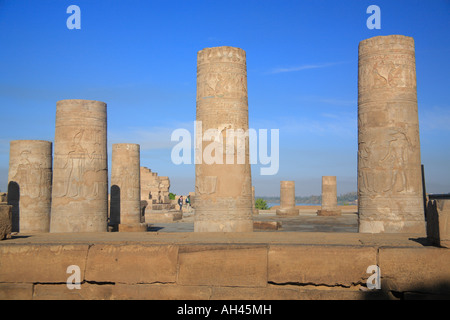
397, 158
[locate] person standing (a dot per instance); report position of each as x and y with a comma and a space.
180, 202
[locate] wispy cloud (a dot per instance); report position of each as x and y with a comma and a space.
303, 67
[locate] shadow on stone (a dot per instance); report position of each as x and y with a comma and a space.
114, 219
13, 200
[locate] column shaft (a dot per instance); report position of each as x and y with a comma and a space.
223, 194
30, 185
80, 171
389, 173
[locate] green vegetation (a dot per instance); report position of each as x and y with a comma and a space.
261, 204
172, 196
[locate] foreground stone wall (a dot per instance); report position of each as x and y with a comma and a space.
171, 270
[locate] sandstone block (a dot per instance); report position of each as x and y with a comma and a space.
320, 265
219, 265
132, 263
415, 269
40, 262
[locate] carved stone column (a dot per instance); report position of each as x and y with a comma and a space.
30, 185
329, 197
389, 172
287, 199
126, 188
223, 191
80, 170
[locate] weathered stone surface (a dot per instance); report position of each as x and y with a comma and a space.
87, 291
126, 188
160, 292
290, 292
16, 291
329, 197
233, 265
40, 262
330, 265
133, 263
254, 210
389, 168
266, 225
223, 192
163, 216
415, 269
30, 185
80, 170
5, 221
258, 266
287, 199
438, 222
154, 189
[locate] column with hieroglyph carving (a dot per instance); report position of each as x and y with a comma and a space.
30, 185
80, 168
223, 191
389, 169
126, 188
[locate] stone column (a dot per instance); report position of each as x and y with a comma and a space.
287, 199
30, 185
126, 188
254, 210
5, 221
80, 169
389, 168
329, 197
223, 191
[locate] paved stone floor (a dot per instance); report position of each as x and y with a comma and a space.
305, 222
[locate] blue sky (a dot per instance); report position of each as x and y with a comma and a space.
140, 58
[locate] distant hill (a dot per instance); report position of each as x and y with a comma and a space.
344, 199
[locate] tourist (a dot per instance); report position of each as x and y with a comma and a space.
180, 202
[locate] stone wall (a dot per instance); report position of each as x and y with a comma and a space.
265, 266
154, 189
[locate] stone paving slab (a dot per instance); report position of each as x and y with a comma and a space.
307, 222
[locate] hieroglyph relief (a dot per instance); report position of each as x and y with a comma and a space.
391, 71
83, 179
